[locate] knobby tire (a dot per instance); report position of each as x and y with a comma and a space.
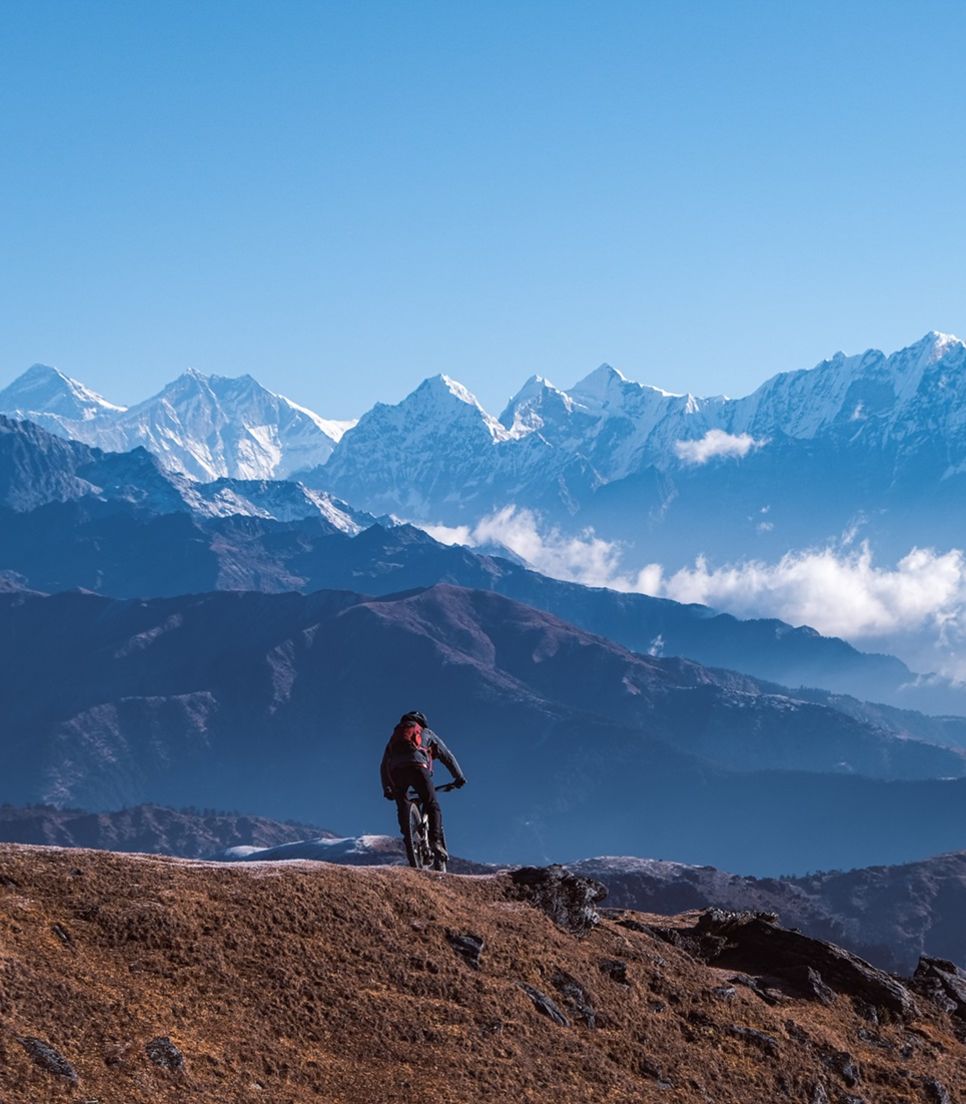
413, 837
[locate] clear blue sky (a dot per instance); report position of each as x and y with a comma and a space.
342, 198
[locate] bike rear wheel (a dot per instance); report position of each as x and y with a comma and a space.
414, 838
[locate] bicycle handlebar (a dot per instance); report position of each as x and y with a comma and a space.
445, 788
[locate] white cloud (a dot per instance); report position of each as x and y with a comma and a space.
449, 534
716, 443
838, 593
916, 607
581, 558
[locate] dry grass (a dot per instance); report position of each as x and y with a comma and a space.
305, 982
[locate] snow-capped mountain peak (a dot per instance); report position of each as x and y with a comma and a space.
446, 401
44, 389
608, 389
935, 345
204, 426
533, 405
600, 386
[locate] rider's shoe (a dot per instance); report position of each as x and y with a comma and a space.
442, 855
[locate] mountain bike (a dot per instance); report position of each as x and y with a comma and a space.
416, 835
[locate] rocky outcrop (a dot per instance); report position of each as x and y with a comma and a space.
942, 982
788, 960
567, 899
469, 947
889, 915
545, 1005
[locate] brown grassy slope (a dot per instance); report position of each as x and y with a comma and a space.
311, 982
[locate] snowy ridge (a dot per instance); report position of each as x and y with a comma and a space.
54, 401
439, 456
38, 467
205, 427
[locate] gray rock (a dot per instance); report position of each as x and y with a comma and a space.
649, 1069
754, 943
63, 935
576, 997
937, 1092
165, 1054
48, 1058
469, 947
758, 1038
545, 1005
566, 898
942, 982
846, 1067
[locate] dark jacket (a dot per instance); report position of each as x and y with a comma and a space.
400, 753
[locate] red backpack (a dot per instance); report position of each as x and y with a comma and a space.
409, 732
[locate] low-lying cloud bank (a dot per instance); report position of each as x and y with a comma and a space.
840, 591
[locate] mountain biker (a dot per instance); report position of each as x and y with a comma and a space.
408, 761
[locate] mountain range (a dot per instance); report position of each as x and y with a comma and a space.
282, 703
206, 427
245, 633
151, 829
119, 524
871, 444
38, 468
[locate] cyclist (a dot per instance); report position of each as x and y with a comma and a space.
408, 762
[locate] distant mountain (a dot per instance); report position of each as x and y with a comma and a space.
206, 427
58, 403
198, 537
254, 700
38, 469
190, 833
867, 445
889, 915
870, 441
120, 525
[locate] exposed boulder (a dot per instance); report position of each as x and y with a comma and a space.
754, 944
937, 1092
567, 899
942, 982
615, 969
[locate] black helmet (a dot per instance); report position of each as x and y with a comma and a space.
414, 717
